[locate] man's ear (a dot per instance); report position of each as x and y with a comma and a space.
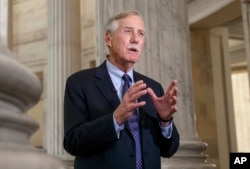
108, 39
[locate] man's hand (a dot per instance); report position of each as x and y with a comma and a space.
166, 105
129, 102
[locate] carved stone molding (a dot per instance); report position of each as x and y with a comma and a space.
19, 90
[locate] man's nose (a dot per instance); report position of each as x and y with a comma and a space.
134, 38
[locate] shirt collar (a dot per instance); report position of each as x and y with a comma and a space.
116, 72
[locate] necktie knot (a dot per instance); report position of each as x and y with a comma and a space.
126, 78
126, 85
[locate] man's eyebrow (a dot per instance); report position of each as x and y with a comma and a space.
127, 27
130, 27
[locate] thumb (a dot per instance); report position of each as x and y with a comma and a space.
151, 93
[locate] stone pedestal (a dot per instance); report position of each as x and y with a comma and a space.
19, 90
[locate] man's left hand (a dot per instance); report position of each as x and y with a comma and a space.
166, 105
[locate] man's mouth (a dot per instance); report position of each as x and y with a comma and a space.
133, 48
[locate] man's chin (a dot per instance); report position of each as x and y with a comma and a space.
134, 59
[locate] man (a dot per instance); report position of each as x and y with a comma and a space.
114, 117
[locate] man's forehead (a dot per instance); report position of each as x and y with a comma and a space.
133, 27
129, 22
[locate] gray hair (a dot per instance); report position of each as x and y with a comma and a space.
112, 23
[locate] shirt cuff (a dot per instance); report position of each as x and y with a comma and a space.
167, 131
118, 127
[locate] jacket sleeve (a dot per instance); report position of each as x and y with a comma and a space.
83, 135
169, 146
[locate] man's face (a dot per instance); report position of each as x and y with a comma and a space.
126, 44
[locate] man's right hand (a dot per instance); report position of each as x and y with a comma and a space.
129, 102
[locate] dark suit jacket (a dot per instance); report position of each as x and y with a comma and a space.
90, 100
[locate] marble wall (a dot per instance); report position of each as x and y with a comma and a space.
30, 36
88, 28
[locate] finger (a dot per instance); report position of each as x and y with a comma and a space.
137, 90
140, 104
131, 107
151, 93
174, 109
175, 91
138, 94
138, 86
171, 87
172, 101
171, 94
138, 83
134, 88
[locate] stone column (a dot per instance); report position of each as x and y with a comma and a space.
166, 57
245, 6
5, 26
20, 89
64, 49
204, 97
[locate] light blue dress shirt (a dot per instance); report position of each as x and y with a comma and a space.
116, 77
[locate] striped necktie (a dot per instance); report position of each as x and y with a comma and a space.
133, 123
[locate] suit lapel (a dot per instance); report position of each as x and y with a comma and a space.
138, 77
105, 85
